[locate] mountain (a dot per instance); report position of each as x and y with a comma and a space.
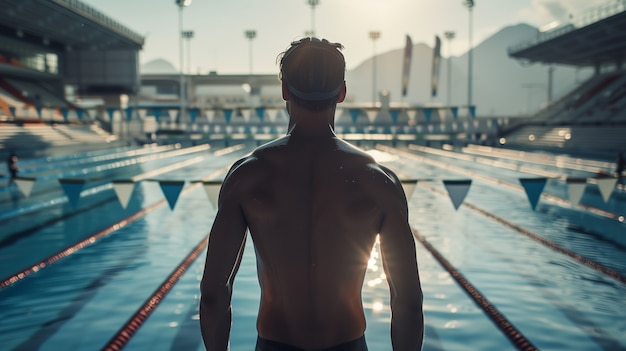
501, 85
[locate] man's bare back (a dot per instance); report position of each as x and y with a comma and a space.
313, 205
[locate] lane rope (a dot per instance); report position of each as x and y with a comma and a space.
126, 332
509, 330
538, 238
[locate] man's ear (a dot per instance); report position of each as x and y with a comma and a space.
342, 92
285, 91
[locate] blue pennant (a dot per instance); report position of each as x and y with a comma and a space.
455, 112
534, 188
260, 112
193, 113
65, 112
72, 188
457, 190
171, 189
228, 114
354, 113
111, 111
427, 113
395, 114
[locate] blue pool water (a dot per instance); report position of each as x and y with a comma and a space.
80, 301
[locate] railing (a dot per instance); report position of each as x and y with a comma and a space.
593, 15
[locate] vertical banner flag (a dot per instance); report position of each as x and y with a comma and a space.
406, 65
435, 67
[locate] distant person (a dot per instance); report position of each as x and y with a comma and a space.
313, 205
12, 167
619, 169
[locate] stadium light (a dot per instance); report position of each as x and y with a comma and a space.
250, 34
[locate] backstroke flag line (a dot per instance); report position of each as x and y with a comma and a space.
434, 83
406, 65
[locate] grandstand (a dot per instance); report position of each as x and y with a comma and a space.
592, 117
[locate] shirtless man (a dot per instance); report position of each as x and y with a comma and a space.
313, 205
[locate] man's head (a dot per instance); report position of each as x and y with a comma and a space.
313, 73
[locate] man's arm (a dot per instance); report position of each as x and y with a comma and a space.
400, 263
225, 249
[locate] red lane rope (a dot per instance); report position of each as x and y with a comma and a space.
14, 278
123, 336
509, 330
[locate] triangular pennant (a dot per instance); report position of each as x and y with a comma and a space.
427, 114
260, 112
111, 111
395, 114
129, 113
606, 186
157, 114
411, 114
171, 189
79, 114
575, 189
228, 113
534, 188
409, 187
172, 114
457, 190
371, 115
193, 113
212, 189
354, 114
38, 109
12, 109
209, 115
123, 190
472, 111
271, 114
65, 112
25, 185
72, 188
455, 112
142, 113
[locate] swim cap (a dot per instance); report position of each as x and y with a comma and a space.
313, 69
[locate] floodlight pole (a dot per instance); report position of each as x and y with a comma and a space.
470, 5
181, 5
374, 35
449, 35
250, 34
313, 3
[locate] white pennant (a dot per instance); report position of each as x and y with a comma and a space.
123, 190
209, 115
272, 115
212, 189
371, 115
172, 114
409, 187
25, 185
411, 114
575, 190
246, 114
606, 186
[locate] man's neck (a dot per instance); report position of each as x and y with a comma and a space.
311, 124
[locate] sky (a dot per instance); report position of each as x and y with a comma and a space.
219, 42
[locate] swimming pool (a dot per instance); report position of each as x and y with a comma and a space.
82, 299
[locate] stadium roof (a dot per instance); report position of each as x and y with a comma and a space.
598, 43
66, 23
